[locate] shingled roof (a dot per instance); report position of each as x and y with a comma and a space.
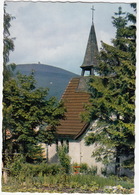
74, 97
90, 58
91, 50
76, 93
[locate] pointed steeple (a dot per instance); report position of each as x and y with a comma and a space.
90, 59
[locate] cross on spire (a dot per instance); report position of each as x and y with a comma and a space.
90, 59
92, 13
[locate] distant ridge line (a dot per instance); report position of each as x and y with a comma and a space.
39, 64
47, 76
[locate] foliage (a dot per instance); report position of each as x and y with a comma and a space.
64, 158
113, 95
20, 169
69, 184
8, 44
15, 165
25, 110
40, 178
83, 168
92, 170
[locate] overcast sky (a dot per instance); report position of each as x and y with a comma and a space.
57, 33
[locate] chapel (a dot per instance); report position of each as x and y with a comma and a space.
72, 129
76, 94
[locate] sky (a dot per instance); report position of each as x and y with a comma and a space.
57, 33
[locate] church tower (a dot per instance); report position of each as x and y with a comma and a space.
90, 58
72, 130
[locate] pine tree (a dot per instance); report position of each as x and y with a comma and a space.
8, 45
113, 96
25, 109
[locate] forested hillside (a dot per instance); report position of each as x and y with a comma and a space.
56, 79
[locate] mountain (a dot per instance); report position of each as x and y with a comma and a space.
56, 79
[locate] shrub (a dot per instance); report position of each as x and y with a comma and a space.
18, 168
104, 171
64, 158
84, 168
53, 169
92, 170
15, 164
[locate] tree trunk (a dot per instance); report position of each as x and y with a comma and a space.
117, 162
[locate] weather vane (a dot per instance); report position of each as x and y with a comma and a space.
92, 13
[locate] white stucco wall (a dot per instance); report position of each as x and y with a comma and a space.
52, 154
74, 151
86, 156
78, 151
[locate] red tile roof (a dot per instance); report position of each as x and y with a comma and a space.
74, 100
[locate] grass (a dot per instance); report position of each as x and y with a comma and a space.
52, 178
68, 184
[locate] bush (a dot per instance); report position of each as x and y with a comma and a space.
84, 168
92, 170
64, 158
53, 169
19, 168
15, 164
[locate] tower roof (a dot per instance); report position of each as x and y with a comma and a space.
90, 59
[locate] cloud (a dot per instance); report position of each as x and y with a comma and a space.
57, 33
